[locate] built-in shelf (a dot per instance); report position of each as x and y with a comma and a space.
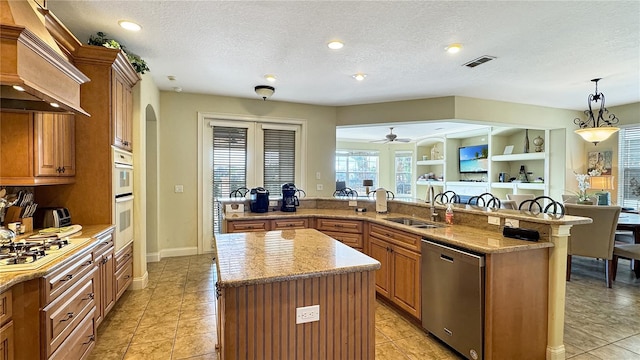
467, 183
430, 162
523, 186
430, 182
519, 157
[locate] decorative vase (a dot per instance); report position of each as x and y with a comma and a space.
538, 142
526, 140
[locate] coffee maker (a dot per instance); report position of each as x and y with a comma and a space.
289, 198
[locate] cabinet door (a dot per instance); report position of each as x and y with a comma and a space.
66, 139
122, 112
107, 273
247, 226
46, 161
380, 250
406, 280
6, 342
97, 280
128, 118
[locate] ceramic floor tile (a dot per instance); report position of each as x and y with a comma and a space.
107, 353
190, 310
398, 328
198, 325
194, 345
381, 338
582, 340
160, 331
114, 337
210, 356
389, 351
570, 350
167, 289
199, 297
631, 343
587, 356
158, 350
612, 351
152, 318
425, 347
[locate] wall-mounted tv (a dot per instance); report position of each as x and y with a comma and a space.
473, 159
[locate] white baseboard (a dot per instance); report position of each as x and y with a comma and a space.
140, 283
185, 251
153, 257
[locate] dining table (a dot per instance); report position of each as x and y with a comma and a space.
631, 222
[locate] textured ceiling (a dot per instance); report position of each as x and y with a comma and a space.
547, 51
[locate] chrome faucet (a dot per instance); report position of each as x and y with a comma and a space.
431, 196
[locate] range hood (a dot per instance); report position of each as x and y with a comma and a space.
35, 75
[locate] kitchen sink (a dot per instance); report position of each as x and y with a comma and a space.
414, 223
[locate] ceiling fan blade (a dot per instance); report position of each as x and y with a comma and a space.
404, 140
380, 141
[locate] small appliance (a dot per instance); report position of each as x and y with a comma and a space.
381, 201
52, 217
289, 198
503, 177
259, 200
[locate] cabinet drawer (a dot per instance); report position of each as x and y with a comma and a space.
64, 314
406, 240
79, 344
123, 256
350, 226
247, 226
61, 279
6, 342
353, 240
105, 244
6, 309
124, 277
283, 224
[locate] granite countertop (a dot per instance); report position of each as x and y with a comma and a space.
10, 278
468, 237
272, 256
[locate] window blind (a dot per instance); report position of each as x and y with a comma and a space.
229, 164
629, 167
279, 159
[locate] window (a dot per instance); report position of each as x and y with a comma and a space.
354, 166
279, 159
229, 160
629, 167
403, 165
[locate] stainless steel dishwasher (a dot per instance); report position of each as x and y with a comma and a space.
453, 297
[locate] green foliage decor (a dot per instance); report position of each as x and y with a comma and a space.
101, 39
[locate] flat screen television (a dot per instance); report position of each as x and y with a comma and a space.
473, 159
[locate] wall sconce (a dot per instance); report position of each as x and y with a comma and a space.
264, 91
367, 184
596, 128
603, 182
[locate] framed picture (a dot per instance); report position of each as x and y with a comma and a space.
601, 161
508, 150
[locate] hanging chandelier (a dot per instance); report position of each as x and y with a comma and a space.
596, 128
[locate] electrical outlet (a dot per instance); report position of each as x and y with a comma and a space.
178, 188
273, 202
353, 202
512, 223
319, 187
307, 314
494, 220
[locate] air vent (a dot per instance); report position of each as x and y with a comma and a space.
479, 61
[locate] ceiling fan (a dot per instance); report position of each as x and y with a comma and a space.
391, 137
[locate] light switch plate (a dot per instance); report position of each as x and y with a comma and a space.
494, 220
178, 188
319, 187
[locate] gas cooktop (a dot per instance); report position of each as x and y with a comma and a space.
31, 254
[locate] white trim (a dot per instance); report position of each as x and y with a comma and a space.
140, 283
174, 252
153, 257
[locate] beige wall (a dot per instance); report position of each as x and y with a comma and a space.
178, 133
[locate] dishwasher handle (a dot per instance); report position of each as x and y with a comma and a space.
446, 258
478, 259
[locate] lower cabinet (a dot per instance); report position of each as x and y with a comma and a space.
286, 224
348, 232
105, 277
398, 278
6, 326
247, 226
124, 270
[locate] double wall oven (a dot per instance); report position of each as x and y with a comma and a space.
123, 197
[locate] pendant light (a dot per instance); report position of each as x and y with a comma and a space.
264, 91
596, 128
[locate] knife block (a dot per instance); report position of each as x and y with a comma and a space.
27, 225
13, 214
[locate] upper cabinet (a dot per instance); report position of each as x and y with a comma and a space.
38, 149
122, 111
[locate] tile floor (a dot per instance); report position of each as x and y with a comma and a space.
175, 318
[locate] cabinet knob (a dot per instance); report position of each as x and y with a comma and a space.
69, 317
90, 296
91, 338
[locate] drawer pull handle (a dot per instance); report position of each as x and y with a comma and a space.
105, 260
67, 278
88, 262
69, 317
91, 338
90, 296
338, 225
127, 277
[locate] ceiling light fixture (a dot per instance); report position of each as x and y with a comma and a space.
359, 76
18, 87
177, 89
453, 48
55, 105
596, 128
129, 25
335, 45
264, 91
270, 78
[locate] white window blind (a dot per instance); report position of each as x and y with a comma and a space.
403, 166
353, 166
279, 159
629, 167
229, 164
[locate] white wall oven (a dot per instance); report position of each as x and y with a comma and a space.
123, 193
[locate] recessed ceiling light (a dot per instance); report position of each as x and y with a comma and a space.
177, 89
453, 48
18, 87
55, 105
335, 45
171, 78
270, 78
129, 25
359, 76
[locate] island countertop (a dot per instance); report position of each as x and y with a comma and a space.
272, 256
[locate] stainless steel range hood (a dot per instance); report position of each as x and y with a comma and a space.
35, 75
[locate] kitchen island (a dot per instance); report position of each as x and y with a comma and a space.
263, 277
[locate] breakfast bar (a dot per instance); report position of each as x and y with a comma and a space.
264, 278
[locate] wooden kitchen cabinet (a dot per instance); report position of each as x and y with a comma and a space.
398, 278
40, 149
6, 326
105, 277
237, 226
122, 111
123, 270
348, 232
55, 144
288, 224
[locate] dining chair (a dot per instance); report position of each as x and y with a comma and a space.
569, 199
508, 204
518, 198
626, 251
345, 192
595, 240
446, 197
485, 200
542, 204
